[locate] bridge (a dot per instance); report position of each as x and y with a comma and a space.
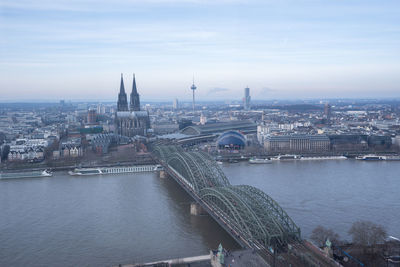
249, 215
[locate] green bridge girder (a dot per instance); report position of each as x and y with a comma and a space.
254, 212
248, 210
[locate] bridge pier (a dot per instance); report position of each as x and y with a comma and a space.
163, 174
196, 209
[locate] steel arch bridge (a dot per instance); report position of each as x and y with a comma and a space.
250, 212
254, 213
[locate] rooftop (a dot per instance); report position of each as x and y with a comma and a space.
219, 127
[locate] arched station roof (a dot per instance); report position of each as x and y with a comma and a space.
220, 127
231, 138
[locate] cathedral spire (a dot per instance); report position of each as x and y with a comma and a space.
122, 104
122, 87
135, 101
134, 90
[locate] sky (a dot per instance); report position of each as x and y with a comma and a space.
286, 49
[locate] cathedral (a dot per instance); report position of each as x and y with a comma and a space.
130, 120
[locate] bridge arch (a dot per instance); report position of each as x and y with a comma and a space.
188, 169
249, 211
270, 210
261, 218
214, 175
163, 152
234, 210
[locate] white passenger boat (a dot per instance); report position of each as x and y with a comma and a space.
33, 174
86, 171
259, 161
371, 157
324, 158
115, 170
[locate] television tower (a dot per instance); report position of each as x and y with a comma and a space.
193, 87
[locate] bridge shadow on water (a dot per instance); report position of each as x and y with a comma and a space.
205, 226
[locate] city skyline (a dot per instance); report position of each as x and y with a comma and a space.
308, 49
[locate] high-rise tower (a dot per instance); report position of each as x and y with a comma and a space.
135, 100
193, 87
122, 104
175, 104
327, 111
246, 99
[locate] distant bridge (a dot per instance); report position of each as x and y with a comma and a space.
249, 215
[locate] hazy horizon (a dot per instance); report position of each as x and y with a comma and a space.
188, 101
304, 49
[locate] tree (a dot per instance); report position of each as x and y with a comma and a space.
4, 152
48, 151
2, 137
320, 234
367, 233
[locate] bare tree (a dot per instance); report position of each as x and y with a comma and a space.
367, 233
320, 234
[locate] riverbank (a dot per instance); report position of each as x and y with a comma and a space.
65, 165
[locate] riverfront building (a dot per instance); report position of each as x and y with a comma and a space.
130, 121
297, 143
352, 143
101, 142
349, 142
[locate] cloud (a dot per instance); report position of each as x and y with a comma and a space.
216, 90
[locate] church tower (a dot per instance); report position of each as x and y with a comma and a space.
129, 120
122, 104
135, 101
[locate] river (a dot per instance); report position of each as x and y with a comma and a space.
126, 218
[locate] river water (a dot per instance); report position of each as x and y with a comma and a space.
126, 218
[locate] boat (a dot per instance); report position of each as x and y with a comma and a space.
323, 158
219, 162
33, 174
286, 157
158, 167
86, 171
259, 161
370, 157
114, 170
